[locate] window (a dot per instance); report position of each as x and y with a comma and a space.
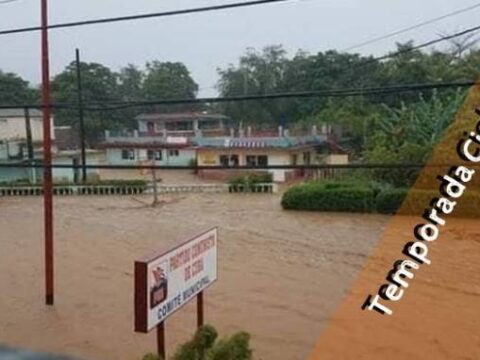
151, 127
262, 160
229, 160
306, 158
224, 160
257, 160
294, 159
209, 124
179, 126
172, 153
154, 155
128, 154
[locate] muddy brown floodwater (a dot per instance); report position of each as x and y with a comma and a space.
281, 274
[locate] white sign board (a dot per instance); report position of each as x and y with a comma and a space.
178, 140
166, 282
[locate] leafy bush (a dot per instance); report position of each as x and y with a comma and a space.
260, 178
328, 197
248, 182
235, 348
205, 337
352, 197
375, 186
204, 347
339, 184
237, 180
396, 201
196, 349
119, 182
389, 201
152, 357
406, 134
253, 178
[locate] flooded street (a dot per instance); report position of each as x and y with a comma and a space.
281, 274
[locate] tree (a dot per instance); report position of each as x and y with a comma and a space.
16, 91
461, 44
257, 73
130, 85
408, 134
356, 116
270, 71
168, 81
99, 84
130, 88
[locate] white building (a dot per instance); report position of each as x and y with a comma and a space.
13, 125
14, 148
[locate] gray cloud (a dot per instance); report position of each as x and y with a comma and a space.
210, 40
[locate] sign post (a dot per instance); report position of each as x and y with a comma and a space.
168, 280
161, 340
200, 310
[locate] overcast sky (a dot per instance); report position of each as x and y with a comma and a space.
210, 40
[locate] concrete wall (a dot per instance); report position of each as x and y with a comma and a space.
160, 127
14, 128
337, 159
184, 158
212, 157
283, 158
114, 157
3, 151
209, 157
275, 157
13, 174
68, 174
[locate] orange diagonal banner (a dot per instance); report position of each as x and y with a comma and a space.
431, 303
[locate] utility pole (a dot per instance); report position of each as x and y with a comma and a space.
30, 154
80, 115
155, 185
47, 159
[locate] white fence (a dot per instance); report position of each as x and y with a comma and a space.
105, 190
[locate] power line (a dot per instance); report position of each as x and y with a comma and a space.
229, 6
366, 91
221, 167
413, 48
8, 1
413, 27
143, 16
300, 94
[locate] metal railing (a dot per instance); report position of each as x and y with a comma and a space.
109, 190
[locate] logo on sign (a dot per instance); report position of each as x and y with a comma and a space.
159, 290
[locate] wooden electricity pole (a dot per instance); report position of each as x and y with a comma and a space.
47, 159
155, 185
30, 153
80, 115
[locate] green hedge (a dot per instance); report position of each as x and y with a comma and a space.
327, 197
251, 179
132, 182
351, 197
249, 182
391, 201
